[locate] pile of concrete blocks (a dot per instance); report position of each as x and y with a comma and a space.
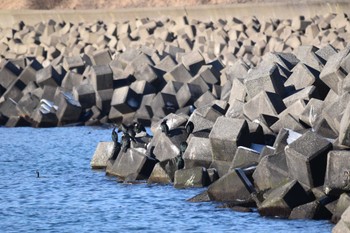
261, 104
276, 141
143, 69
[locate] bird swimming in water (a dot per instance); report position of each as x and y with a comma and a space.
164, 127
37, 174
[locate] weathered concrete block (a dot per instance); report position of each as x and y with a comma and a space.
173, 121
344, 128
192, 177
14, 91
204, 99
225, 137
159, 176
8, 108
264, 79
304, 94
168, 146
271, 172
341, 227
164, 104
72, 79
307, 158
193, 61
334, 111
166, 64
85, 94
48, 76
209, 74
69, 109
266, 150
198, 153
235, 109
101, 57
178, 73
17, 121
312, 210
103, 99
325, 53
284, 138
222, 190
238, 91
27, 104
283, 199
146, 72
43, 119
337, 178
133, 165
341, 205
102, 153
263, 103
144, 114
301, 77
345, 220
306, 53
201, 124
311, 112
125, 100
9, 73
74, 63
101, 77
332, 73
289, 122
29, 72
202, 197
214, 110
188, 94
221, 167
245, 157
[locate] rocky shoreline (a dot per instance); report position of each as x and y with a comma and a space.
261, 104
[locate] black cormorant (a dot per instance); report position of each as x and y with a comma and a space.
138, 127
164, 127
114, 135
189, 127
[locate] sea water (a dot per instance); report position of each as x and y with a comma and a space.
70, 197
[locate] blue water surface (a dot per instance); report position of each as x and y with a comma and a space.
70, 197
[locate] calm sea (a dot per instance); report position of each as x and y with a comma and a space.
70, 197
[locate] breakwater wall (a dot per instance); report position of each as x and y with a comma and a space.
56, 72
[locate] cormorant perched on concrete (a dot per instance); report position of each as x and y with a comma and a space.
180, 163
126, 141
131, 133
116, 146
114, 135
138, 127
164, 127
183, 147
189, 127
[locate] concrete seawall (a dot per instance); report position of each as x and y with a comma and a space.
206, 13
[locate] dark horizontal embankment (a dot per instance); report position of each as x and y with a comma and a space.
205, 13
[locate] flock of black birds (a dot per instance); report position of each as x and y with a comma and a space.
129, 133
